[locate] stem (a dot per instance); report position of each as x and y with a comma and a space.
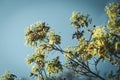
45, 73
40, 73
97, 75
81, 64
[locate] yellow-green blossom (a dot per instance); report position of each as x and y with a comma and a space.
100, 32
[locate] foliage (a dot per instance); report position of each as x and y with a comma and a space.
102, 44
44, 41
8, 76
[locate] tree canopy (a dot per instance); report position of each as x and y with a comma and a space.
101, 45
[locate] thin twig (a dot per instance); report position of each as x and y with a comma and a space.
81, 64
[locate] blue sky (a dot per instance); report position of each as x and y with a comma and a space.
16, 15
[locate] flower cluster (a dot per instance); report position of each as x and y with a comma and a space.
113, 11
100, 32
103, 42
54, 66
54, 39
8, 76
38, 56
80, 20
36, 32
44, 39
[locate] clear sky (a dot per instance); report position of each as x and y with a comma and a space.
16, 15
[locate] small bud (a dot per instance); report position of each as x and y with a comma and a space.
31, 74
90, 31
94, 26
